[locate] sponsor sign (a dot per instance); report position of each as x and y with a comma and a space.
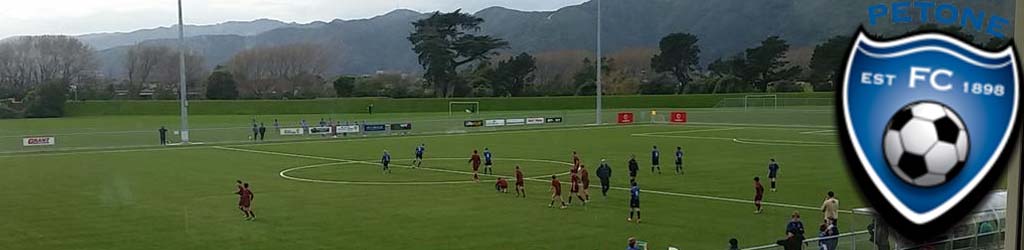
532, 121
39, 141
678, 117
374, 127
494, 123
515, 122
347, 128
401, 126
553, 120
473, 123
292, 131
928, 123
625, 118
319, 130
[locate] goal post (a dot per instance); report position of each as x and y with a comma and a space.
467, 107
760, 101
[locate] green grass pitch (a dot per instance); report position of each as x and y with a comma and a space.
330, 194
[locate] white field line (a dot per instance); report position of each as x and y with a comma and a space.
820, 132
248, 143
787, 126
368, 162
785, 143
690, 131
284, 174
115, 132
694, 196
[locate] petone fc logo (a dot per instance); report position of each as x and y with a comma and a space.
927, 123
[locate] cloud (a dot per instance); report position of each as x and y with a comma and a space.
74, 17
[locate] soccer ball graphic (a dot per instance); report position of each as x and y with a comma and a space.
926, 144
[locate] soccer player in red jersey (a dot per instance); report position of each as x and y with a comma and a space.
556, 192
501, 185
574, 189
575, 163
475, 159
585, 179
241, 190
758, 194
520, 184
245, 202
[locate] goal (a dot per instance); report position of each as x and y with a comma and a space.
760, 101
463, 107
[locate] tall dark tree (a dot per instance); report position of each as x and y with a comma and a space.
767, 63
444, 41
585, 79
827, 59
734, 66
47, 100
513, 75
680, 55
344, 86
221, 85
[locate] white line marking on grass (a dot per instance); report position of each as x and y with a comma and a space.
694, 196
793, 126
785, 143
346, 161
820, 132
247, 143
284, 174
691, 131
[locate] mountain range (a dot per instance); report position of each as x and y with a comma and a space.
363, 46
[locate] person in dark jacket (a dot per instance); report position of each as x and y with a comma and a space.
633, 168
604, 172
263, 131
791, 242
163, 135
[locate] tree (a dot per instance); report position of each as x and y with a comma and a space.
279, 71
159, 67
679, 55
733, 66
27, 62
47, 100
513, 74
221, 85
766, 63
826, 62
660, 85
344, 85
585, 79
443, 43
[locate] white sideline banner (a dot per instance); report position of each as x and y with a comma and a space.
38, 141
515, 122
348, 129
292, 131
494, 123
320, 130
533, 121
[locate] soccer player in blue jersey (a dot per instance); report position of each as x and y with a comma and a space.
384, 161
655, 159
634, 202
416, 162
773, 172
679, 160
487, 162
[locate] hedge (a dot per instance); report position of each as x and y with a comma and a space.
387, 105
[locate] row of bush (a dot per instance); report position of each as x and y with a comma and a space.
359, 105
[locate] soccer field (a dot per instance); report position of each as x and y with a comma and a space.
330, 194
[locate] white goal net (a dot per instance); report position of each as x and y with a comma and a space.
468, 108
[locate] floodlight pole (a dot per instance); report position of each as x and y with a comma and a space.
600, 63
182, 93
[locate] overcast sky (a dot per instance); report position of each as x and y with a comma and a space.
74, 17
